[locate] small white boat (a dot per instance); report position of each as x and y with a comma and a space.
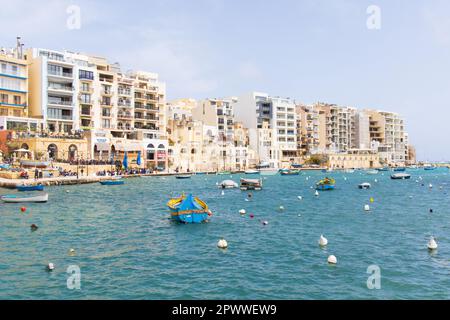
228, 184
251, 172
372, 172
364, 185
12, 198
400, 176
349, 171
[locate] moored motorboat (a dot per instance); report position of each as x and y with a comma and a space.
115, 182
12, 198
183, 176
188, 209
400, 176
38, 187
251, 184
383, 169
372, 172
228, 184
221, 173
251, 171
400, 169
289, 172
428, 168
325, 184
364, 185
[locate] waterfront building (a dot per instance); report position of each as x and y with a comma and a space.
117, 112
387, 136
308, 130
354, 158
272, 124
14, 106
339, 125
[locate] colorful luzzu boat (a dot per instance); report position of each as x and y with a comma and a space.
189, 209
325, 184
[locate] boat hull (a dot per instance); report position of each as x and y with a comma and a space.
31, 199
30, 188
183, 177
400, 176
325, 187
112, 183
190, 218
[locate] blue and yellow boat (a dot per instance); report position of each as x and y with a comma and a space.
325, 184
189, 209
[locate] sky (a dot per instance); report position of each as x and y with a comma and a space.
308, 50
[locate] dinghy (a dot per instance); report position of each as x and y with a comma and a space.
183, 176
12, 198
38, 187
400, 176
364, 185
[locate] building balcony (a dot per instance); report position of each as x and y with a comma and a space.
124, 116
60, 103
64, 118
60, 89
124, 105
67, 75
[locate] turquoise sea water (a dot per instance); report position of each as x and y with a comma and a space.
127, 248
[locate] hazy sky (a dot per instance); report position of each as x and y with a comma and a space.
310, 50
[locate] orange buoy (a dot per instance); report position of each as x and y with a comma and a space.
23, 209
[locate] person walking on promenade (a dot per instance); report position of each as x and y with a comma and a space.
36, 174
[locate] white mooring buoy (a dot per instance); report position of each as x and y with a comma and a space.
366, 207
432, 244
323, 241
332, 259
222, 244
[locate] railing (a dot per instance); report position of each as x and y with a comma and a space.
61, 74
60, 117
60, 87
60, 102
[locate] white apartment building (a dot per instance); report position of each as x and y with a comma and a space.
122, 112
272, 124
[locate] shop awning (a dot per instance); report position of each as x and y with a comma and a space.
102, 146
128, 147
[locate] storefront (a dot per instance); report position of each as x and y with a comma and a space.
155, 154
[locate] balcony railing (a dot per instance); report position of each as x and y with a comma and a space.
60, 102
57, 117
61, 74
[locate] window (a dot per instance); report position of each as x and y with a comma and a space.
17, 99
88, 75
3, 67
4, 98
106, 123
52, 69
106, 112
14, 70
85, 98
85, 87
